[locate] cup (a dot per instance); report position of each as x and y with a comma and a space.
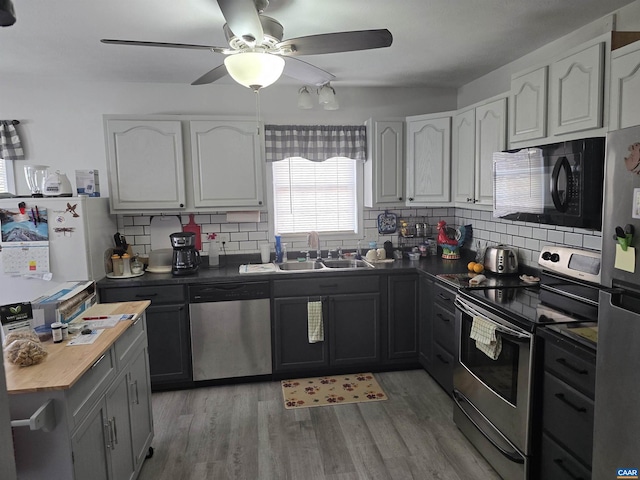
265, 253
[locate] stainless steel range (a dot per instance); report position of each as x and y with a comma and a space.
494, 379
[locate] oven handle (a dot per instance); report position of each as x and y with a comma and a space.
457, 396
464, 307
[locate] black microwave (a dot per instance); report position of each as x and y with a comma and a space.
556, 184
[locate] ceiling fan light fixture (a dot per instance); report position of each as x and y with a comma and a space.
254, 70
332, 105
7, 13
305, 101
326, 94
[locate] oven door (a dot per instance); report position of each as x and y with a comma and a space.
499, 388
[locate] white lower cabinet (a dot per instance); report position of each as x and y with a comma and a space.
104, 422
429, 159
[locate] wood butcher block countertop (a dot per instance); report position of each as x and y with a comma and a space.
64, 365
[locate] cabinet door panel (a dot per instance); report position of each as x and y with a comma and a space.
120, 453
625, 89
528, 106
576, 91
464, 155
227, 164
292, 350
140, 404
355, 329
429, 161
389, 150
149, 148
490, 137
403, 317
169, 343
89, 445
425, 327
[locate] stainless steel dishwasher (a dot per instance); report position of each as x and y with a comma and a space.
230, 330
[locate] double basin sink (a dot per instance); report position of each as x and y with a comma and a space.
326, 264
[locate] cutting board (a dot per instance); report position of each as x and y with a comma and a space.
161, 227
194, 228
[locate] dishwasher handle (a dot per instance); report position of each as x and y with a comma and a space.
221, 292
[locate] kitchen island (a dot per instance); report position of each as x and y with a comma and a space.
96, 421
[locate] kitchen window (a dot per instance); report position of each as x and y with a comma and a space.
6, 176
317, 177
316, 196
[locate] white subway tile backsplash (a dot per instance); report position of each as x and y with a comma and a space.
592, 241
555, 236
573, 239
525, 231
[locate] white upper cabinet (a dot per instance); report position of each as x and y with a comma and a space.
384, 170
464, 156
428, 159
491, 136
625, 87
576, 90
146, 165
227, 164
528, 105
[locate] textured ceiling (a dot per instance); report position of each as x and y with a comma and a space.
437, 43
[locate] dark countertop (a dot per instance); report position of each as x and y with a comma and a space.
228, 272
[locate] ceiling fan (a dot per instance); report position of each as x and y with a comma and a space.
257, 55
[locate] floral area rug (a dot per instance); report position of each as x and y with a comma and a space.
331, 390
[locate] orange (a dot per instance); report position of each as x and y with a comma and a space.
471, 266
478, 268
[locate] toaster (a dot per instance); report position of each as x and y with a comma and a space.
501, 259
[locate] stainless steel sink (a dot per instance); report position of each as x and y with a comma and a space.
326, 265
346, 263
300, 266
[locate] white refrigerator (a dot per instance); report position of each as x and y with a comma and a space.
51, 240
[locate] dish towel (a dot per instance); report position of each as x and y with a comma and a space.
10, 144
314, 322
484, 333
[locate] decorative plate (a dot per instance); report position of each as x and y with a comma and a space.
387, 223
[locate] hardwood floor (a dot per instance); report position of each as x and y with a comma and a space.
244, 432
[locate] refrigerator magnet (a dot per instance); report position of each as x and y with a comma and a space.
636, 203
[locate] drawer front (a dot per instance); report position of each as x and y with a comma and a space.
558, 464
323, 285
444, 297
82, 396
444, 327
568, 417
129, 341
575, 370
442, 370
159, 294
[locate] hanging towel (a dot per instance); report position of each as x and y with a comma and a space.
314, 322
10, 145
484, 333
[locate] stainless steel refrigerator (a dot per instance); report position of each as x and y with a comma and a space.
617, 401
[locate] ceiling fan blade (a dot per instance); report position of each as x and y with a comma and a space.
163, 44
243, 20
211, 76
305, 72
338, 42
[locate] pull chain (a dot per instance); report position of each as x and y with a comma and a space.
258, 110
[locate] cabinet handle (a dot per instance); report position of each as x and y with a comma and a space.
182, 205
444, 297
399, 198
441, 358
469, 199
442, 317
260, 203
115, 433
137, 395
411, 199
329, 285
568, 471
146, 296
562, 398
564, 363
107, 434
97, 362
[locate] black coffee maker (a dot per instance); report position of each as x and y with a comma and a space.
186, 258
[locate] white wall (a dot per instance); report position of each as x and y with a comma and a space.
61, 122
499, 81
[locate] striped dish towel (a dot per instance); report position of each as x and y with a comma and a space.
314, 322
484, 333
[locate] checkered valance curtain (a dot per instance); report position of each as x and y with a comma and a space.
10, 145
316, 143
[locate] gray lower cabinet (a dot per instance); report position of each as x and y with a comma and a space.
168, 330
351, 321
402, 318
425, 323
437, 336
568, 389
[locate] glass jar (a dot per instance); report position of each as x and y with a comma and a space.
117, 266
136, 266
